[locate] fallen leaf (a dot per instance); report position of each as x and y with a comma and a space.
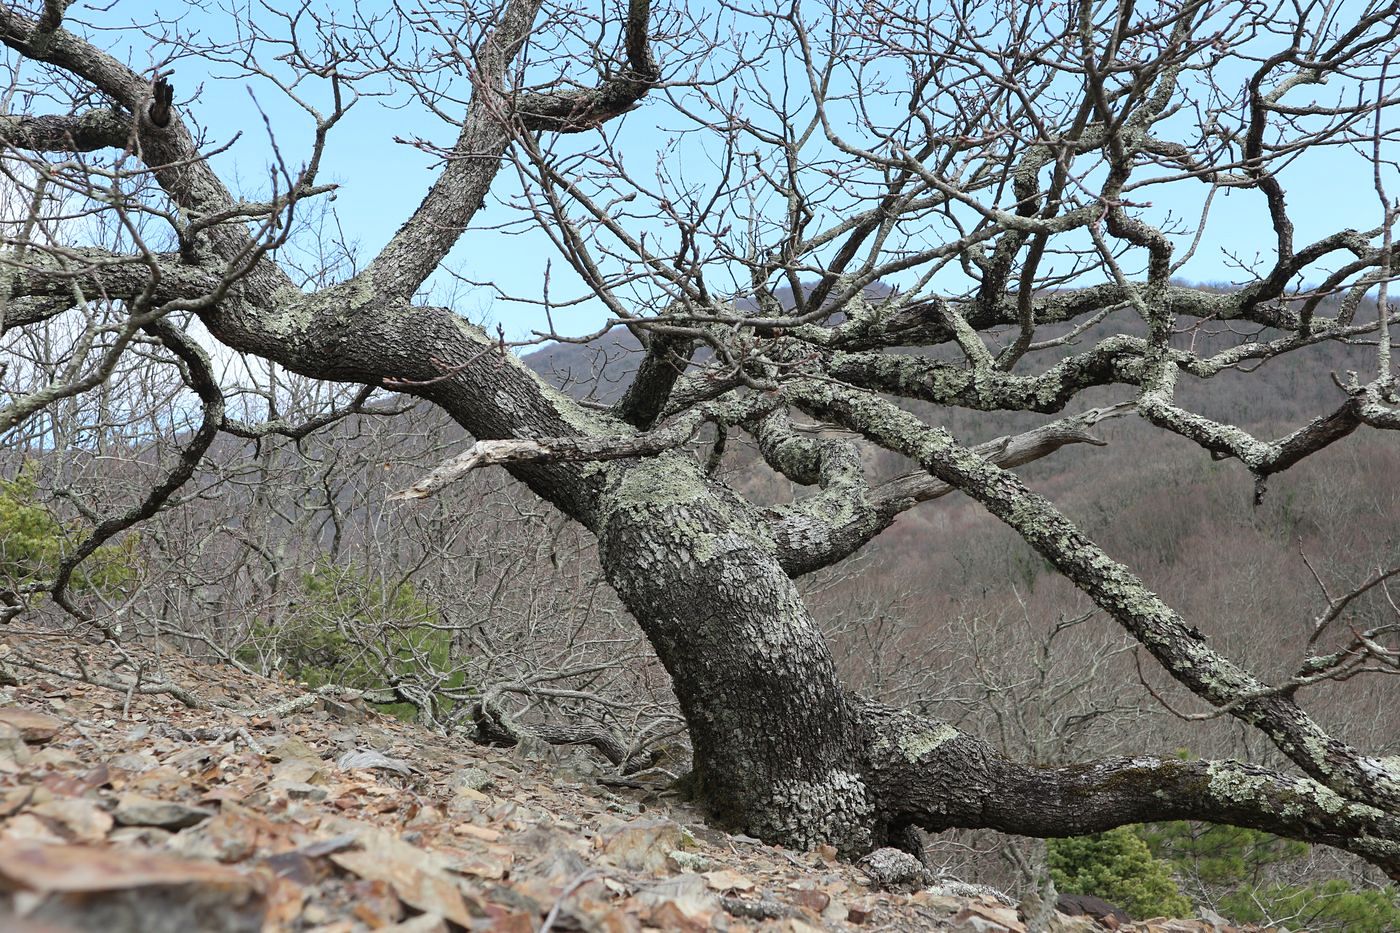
79, 784
476, 832
14, 800
419, 878
33, 725
30, 828
680, 903
726, 880
70, 884
83, 818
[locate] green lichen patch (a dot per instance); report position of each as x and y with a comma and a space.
915, 745
1233, 783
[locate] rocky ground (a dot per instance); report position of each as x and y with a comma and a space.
264, 807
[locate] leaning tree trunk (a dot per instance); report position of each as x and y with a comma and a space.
776, 745
784, 753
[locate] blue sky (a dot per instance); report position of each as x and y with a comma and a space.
383, 180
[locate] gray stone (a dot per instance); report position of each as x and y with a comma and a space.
135, 810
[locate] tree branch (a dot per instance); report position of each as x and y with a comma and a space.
84, 132
932, 775
1116, 590
579, 110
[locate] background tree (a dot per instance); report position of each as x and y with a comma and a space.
904, 211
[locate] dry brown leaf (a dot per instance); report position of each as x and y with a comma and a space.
83, 818
41, 867
726, 880
375, 904
237, 833
33, 725
493, 864
680, 903
14, 800
285, 899
30, 828
419, 878
473, 831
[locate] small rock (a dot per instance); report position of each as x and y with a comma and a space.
1060, 923
14, 753
292, 748
895, 870
860, 913
298, 790
298, 771
1216, 921
423, 923
135, 810
726, 880
369, 759
976, 919
97, 888
343, 712
689, 862
473, 779
485, 834
146, 837
135, 762
1086, 905
812, 899
641, 845
83, 817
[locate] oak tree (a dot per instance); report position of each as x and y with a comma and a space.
860, 215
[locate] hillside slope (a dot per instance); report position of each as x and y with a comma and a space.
265, 807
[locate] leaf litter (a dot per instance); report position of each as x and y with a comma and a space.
141, 815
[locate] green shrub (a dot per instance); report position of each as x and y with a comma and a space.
1332, 904
33, 542
350, 630
1236, 866
1117, 866
1219, 855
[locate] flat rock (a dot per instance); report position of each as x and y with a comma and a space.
641, 845
136, 810
471, 778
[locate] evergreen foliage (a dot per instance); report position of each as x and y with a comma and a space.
34, 541
353, 631
1238, 869
1117, 866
